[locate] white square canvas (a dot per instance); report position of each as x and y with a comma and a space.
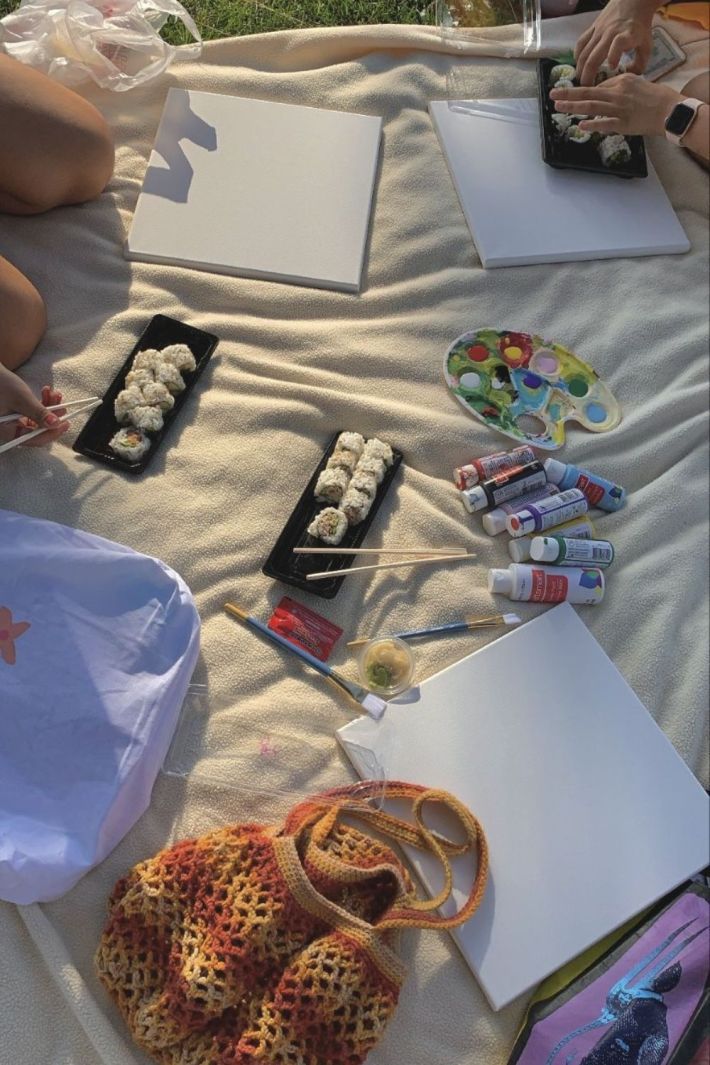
259, 189
521, 211
589, 812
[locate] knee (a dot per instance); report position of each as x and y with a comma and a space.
23, 317
81, 173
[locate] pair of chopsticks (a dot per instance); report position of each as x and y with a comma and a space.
81, 406
422, 555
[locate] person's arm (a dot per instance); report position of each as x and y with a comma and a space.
622, 26
631, 105
17, 398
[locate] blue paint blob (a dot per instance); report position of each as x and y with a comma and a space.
595, 412
532, 381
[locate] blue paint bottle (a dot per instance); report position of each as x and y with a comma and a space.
598, 491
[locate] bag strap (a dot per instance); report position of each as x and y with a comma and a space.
321, 813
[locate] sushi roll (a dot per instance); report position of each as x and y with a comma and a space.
130, 444
166, 373
363, 481
577, 135
564, 83
156, 394
179, 356
372, 465
377, 449
329, 525
150, 419
562, 72
343, 460
139, 378
146, 360
126, 401
350, 442
331, 485
614, 150
355, 506
561, 122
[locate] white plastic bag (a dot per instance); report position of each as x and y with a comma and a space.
115, 42
97, 647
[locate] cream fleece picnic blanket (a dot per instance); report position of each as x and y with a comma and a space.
293, 365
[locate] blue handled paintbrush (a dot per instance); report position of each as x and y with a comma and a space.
374, 706
468, 625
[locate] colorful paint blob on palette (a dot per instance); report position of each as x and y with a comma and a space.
527, 387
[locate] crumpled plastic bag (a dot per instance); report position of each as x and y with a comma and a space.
117, 43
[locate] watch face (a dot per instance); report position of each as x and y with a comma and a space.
679, 119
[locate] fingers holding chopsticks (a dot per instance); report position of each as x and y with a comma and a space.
17, 398
52, 421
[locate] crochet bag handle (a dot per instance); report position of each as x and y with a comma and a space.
353, 799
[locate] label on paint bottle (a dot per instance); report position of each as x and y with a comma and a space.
506, 485
565, 551
577, 528
548, 513
548, 584
494, 521
490, 465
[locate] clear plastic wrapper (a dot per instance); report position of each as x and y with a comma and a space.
514, 25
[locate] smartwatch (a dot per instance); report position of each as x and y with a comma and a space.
681, 119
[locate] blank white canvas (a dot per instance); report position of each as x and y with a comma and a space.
589, 812
522, 211
259, 189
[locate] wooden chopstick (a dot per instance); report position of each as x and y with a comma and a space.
430, 552
385, 565
45, 429
57, 406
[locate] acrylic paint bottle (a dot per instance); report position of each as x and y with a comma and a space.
548, 584
599, 492
563, 551
481, 469
547, 513
494, 521
577, 529
504, 486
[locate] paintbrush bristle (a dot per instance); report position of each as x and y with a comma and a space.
374, 706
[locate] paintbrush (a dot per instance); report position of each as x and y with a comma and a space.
468, 625
374, 706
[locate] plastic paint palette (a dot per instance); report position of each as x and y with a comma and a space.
527, 387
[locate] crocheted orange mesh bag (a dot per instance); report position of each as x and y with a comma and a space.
273, 944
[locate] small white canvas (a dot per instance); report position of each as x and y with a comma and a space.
258, 189
589, 812
521, 211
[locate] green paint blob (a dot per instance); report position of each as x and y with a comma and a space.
578, 386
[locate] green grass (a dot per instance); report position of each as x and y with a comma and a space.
234, 18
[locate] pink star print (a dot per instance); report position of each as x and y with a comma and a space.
9, 632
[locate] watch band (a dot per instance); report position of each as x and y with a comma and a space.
694, 105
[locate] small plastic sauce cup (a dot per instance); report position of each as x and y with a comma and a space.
386, 665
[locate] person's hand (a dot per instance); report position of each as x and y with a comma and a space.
624, 104
621, 26
16, 397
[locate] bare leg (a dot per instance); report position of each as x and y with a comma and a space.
55, 147
22, 316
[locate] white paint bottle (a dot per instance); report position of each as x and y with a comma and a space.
576, 529
547, 513
548, 584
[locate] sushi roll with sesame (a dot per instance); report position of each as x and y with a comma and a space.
562, 72
130, 444
564, 83
146, 360
362, 481
355, 506
343, 460
126, 401
331, 485
377, 449
329, 525
578, 136
561, 122
139, 378
149, 419
614, 150
179, 356
350, 442
169, 376
372, 465
156, 394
